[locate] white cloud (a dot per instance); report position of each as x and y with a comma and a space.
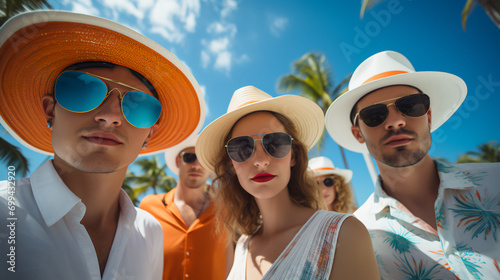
125, 6
223, 61
174, 36
220, 27
218, 48
278, 25
84, 7
205, 59
173, 18
228, 6
190, 22
218, 45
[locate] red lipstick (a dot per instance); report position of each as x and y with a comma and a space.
263, 177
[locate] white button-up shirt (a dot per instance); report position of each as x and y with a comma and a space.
466, 244
41, 237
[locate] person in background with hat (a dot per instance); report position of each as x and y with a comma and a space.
101, 89
258, 151
427, 218
334, 184
192, 246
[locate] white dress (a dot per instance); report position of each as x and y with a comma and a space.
308, 256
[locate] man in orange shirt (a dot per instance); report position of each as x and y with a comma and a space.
193, 248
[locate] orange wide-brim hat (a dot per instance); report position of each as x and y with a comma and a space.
36, 46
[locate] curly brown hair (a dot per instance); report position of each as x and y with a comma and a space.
343, 202
237, 209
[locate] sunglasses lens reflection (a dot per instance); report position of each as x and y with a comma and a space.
276, 144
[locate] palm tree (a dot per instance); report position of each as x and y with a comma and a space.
153, 176
10, 8
492, 8
312, 79
13, 156
488, 152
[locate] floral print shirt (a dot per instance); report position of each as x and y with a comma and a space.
466, 244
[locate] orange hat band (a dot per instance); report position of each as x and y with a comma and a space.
384, 75
323, 169
246, 103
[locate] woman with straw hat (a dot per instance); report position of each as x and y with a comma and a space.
334, 184
258, 151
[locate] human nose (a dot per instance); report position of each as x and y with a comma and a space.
109, 113
395, 119
261, 157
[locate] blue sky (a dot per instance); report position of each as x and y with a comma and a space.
228, 44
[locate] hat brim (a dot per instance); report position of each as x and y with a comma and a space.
306, 115
446, 92
172, 153
344, 173
37, 46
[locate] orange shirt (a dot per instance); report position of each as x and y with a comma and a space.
197, 252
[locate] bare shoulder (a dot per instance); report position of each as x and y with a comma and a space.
354, 250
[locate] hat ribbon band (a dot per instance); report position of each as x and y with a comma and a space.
384, 75
324, 168
246, 103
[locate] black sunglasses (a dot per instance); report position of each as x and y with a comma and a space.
415, 105
188, 157
328, 182
276, 144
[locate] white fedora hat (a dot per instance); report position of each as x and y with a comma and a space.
172, 153
324, 166
306, 115
388, 68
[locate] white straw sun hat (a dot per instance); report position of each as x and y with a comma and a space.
324, 166
172, 153
306, 115
388, 68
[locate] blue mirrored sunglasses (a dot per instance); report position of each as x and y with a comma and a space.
81, 92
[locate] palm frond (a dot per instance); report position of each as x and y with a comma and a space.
13, 156
469, 7
10, 8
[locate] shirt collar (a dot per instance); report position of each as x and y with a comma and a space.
53, 197
452, 176
380, 199
128, 212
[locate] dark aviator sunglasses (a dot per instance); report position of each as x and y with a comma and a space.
415, 105
276, 144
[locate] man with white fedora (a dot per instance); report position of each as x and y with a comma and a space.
95, 95
334, 184
428, 219
193, 248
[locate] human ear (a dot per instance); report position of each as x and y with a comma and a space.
152, 131
356, 132
177, 159
429, 113
48, 105
292, 161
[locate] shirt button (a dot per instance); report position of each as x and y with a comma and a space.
187, 253
187, 275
